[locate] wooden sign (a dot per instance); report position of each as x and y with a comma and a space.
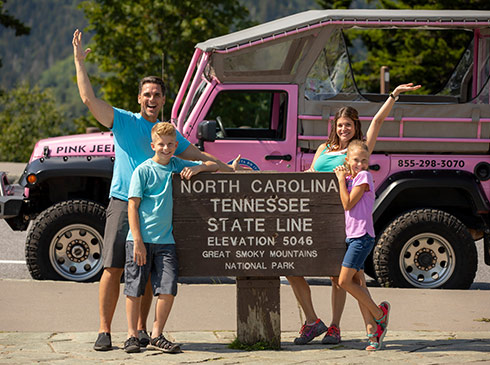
258, 224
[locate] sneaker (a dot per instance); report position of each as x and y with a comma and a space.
131, 345
144, 338
103, 342
309, 332
333, 335
165, 345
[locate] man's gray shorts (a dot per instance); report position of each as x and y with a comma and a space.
161, 263
115, 233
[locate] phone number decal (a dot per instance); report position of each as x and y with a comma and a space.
431, 163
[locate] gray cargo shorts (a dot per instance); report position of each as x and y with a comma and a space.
115, 233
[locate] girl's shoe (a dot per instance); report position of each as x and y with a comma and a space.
332, 336
383, 321
373, 345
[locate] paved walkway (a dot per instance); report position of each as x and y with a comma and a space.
56, 322
412, 347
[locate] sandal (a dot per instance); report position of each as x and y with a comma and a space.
383, 321
372, 345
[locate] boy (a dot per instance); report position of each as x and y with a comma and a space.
150, 246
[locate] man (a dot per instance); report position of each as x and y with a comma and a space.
132, 136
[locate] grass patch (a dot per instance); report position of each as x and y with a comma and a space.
482, 320
258, 346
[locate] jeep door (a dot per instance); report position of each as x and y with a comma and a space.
259, 122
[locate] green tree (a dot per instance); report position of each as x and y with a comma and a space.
132, 38
26, 115
8, 21
408, 53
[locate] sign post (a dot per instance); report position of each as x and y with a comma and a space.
257, 227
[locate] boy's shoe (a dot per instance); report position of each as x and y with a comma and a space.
131, 345
165, 345
309, 332
103, 342
144, 338
332, 336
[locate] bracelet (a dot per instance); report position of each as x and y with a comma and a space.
394, 97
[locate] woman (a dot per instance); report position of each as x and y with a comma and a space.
345, 128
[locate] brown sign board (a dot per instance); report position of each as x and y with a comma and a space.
258, 224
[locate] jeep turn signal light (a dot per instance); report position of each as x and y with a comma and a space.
31, 179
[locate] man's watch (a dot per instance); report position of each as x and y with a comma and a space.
394, 97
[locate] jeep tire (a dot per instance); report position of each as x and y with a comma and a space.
65, 242
425, 248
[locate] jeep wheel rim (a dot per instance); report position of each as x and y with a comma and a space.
75, 252
427, 260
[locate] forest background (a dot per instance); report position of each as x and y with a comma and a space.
38, 93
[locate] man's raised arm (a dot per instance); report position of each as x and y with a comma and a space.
101, 111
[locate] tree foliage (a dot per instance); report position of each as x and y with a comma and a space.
132, 38
26, 115
419, 56
9, 21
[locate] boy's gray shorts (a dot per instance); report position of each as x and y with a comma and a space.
161, 263
115, 233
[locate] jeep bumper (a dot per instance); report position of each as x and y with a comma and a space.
11, 198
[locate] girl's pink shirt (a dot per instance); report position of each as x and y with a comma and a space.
359, 219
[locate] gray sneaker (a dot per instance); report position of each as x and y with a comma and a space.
309, 332
103, 342
144, 338
332, 337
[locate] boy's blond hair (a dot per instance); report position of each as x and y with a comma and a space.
163, 129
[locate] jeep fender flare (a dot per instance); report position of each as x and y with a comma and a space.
50, 167
397, 183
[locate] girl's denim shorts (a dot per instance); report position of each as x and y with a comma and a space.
358, 250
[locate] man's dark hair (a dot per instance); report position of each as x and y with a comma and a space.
151, 80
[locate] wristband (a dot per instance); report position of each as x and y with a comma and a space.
394, 97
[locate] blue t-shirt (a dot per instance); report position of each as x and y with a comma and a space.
152, 183
132, 138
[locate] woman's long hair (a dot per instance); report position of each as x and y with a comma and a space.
348, 112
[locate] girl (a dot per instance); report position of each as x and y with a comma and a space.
346, 127
357, 195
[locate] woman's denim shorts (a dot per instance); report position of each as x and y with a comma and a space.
358, 250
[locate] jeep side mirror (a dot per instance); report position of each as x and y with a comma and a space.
206, 131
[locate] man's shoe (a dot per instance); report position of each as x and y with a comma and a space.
309, 332
103, 342
144, 338
165, 345
131, 345
332, 336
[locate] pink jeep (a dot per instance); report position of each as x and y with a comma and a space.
270, 93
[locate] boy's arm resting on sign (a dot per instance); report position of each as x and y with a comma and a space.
377, 122
134, 226
192, 153
101, 111
189, 171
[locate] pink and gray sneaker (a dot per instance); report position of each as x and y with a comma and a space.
332, 336
309, 331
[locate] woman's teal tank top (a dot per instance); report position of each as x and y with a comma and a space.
326, 162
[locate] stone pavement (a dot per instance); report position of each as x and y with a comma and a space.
49, 322
407, 347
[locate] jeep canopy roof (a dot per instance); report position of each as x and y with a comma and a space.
377, 18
